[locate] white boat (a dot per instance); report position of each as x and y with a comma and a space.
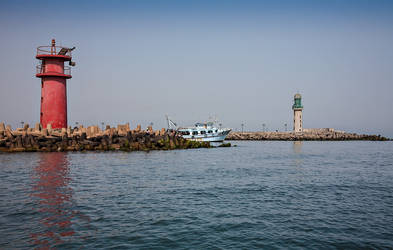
201, 131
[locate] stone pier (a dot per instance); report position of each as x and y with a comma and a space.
123, 138
327, 134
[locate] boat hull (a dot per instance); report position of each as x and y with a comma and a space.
220, 138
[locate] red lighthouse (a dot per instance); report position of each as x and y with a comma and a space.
53, 76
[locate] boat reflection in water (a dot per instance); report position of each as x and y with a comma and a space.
53, 200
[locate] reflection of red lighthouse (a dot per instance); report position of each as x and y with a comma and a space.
53, 76
53, 199
54, 205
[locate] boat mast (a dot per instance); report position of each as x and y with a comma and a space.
167, 120
171, 125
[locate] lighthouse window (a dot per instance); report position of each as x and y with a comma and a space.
203, 132
194, 132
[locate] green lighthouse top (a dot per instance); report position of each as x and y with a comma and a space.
297, 102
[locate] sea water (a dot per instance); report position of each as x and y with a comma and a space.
257, 195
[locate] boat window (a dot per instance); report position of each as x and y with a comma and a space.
185, 132
210, 131
216, 130
203, 132
194, 132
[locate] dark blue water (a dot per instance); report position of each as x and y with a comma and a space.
256, 195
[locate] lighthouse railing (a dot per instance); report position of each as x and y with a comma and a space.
41, 69
54, 50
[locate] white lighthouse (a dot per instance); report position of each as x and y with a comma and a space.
297, 113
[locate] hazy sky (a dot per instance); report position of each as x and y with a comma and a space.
240, 60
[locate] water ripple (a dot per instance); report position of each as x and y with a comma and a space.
256, 195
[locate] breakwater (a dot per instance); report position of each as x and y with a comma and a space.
310, 135
40, 139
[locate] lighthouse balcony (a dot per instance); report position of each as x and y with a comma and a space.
297, 107
42, 70
54, 52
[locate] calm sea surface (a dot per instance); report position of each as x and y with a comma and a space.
255, 195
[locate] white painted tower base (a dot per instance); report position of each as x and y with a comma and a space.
297, 120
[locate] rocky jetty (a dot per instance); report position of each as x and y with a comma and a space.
311, 135
40, 139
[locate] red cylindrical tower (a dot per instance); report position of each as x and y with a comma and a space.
53, 76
